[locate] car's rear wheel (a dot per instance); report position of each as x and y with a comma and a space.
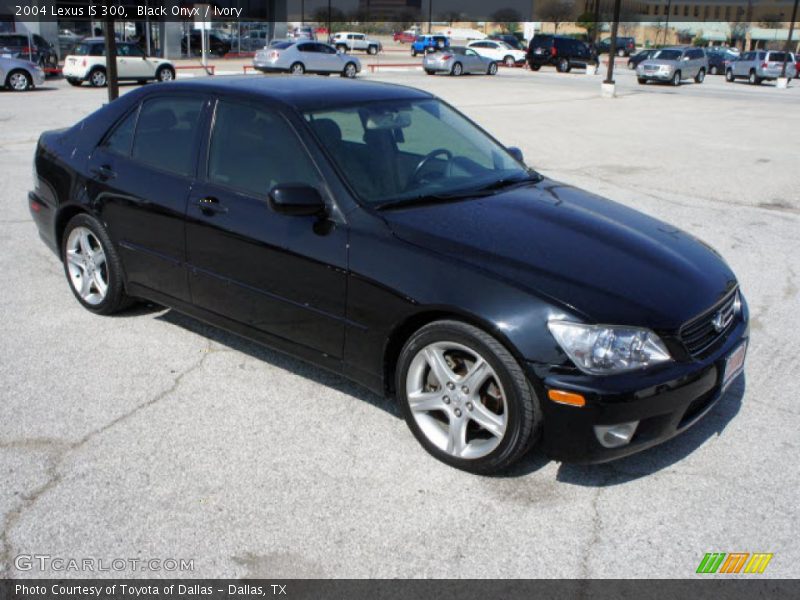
98, 78
729, 75
350, 71
536, 67
563, 65
620, 52
641, 80
297, 69
19, 81
713, 70
676, 79
92, 266
754, 79
413, 52
701, 75
492, 69
429, 72
165, 73
372, 50
457, 70
341, 48
465, 397
509, 61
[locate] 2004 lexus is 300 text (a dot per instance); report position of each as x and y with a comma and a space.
378, 232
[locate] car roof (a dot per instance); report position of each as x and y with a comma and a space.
302, 93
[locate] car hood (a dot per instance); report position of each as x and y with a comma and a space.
607, 262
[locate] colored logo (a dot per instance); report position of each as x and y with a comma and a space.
734, 562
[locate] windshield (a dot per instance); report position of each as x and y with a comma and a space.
397, 150
667, 55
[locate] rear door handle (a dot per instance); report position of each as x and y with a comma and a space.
210, 206
103, 172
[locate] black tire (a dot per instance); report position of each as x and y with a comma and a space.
98, 77
414, 52
753, 78
524, 415
116, 299
297, 68
429, 72
372, 50
492, 69
75, 82
676, 79
729, 76
509, 61
457, 70
341, 48
18, 81
165, 73
700, 77
350, 71
563, 66
642, 80
536, 67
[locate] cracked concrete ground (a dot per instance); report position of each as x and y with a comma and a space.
150, 435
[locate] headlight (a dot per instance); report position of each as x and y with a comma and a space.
605, 350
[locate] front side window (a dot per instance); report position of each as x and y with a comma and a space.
253, 150
166, 133
396, 150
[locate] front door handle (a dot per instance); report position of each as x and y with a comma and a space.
103, 172
210, 206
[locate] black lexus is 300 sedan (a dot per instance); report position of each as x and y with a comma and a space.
376, 231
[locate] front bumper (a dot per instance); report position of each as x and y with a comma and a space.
655, 75
665, 403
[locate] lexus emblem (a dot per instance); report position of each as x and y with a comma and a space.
721, 321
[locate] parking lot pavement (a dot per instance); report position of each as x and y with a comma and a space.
151, 435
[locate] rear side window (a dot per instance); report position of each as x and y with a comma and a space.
777, 57
254, 150
121, 137
166, 132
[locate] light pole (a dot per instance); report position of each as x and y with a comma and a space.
612, 50
666, 26
788, 47
430, 16
111, 60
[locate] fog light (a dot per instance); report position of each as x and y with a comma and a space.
614, 436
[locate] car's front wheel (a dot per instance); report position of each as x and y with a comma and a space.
492, 69
729, 75
19, 81
754, 79
509, 61
350, 71
457, 70
165, 73
92, 266
372, 50
676, 79
563, 65
713, 70
465, 398
701, 75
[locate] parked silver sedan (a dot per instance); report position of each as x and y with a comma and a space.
20, 75
760, 65
302, 57
458, 60
673, 65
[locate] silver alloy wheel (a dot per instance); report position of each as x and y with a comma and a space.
510, 62
99, 78
493, 69
18, 81
457, 400
457, 69
714, 70
87, 265
298, 69
350, 71
165, 74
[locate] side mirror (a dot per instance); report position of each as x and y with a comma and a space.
296, 199
517, 154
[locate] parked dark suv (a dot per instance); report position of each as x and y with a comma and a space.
560, 51
625, 46
33, 48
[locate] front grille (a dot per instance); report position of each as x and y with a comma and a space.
702, 334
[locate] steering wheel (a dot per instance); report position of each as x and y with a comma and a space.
428, 157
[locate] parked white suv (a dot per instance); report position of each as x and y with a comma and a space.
498, 51
88, 63
347, 40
